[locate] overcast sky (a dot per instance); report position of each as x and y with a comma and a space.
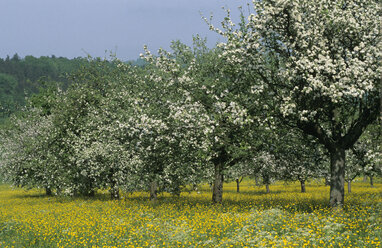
73, 28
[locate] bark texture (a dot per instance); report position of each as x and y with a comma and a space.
337, 140
153, 191
217, 190
337, 177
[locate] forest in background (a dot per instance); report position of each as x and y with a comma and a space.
20, 78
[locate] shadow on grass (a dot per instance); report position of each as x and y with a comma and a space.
240, 201
254, 191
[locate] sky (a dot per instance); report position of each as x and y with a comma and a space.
77, 28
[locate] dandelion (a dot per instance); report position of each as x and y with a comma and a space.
246, 219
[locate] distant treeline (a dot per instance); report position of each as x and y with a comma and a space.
22, 77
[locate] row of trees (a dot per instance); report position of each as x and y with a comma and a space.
286, 97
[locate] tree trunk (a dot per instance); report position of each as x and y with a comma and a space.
217, 191
349, 186
267, 182
303, 189
153, 191
364, 178
237, 185
48, 191
337, 177
371, 181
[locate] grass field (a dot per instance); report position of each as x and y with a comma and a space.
283, 218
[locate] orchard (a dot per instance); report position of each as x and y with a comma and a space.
294, 93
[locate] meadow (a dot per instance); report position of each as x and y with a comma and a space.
251, 218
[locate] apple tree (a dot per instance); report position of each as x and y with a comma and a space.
320, 61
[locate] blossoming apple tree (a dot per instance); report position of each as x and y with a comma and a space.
201, 77
320, 60
24, 156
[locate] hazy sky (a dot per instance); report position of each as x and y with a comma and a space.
72, 28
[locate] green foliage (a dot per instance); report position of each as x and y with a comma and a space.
23, 77
8, 96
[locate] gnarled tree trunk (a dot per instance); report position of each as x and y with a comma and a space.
217, 190
153, 191
337, 177
219, 163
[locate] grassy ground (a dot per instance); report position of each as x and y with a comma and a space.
283, 218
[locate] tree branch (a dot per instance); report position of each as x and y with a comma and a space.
315, 130
367, 116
